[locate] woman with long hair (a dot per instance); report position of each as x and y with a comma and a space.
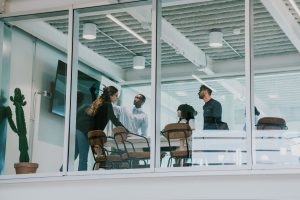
94, 117
101, 109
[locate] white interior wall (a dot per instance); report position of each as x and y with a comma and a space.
38, 62
20, 76
238, 187
49, 140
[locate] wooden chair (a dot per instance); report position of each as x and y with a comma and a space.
102, 156
134, 155
271, 123
174, 133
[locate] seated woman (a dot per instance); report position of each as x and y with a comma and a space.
186, 114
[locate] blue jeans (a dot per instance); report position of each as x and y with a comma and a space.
81, 149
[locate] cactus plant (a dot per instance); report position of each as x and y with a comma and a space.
19, 127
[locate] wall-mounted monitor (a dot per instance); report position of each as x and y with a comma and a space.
85, 82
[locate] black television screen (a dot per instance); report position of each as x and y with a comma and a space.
85, 82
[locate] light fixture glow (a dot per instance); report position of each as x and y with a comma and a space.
292, 2
283, 151
126, 28
139, 62
181, 93
89, 31
202, 82
295, 150
273, 96
215, 39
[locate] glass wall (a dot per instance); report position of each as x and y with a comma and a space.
32, 48
203, 84
276, 83
99, 89
112, 51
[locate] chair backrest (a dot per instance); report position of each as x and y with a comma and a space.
177, 131
97, 137
120, 134
271, 123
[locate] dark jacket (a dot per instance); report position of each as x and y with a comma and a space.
84, 122
103, 115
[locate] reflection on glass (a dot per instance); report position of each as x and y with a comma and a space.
203, 67
115, 50
33, 46
275, 85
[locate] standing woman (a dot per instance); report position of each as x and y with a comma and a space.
101, 109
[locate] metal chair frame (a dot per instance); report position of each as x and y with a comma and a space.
187, 133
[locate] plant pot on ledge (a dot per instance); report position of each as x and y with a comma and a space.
26, 168
19, 127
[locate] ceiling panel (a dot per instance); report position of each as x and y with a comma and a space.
194, 21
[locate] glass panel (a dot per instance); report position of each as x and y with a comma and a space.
276, 83
114, 51
32, 47
203, 48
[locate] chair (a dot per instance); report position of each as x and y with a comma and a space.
102, 156
178, 132
134, 156
271, 123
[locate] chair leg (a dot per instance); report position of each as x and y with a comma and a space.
169, 161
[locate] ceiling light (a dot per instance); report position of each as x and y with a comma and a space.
215, 39
89, 31
139, 62
236, 31
273, 96
292, 2
295, 150
202, 82
181, 93
126, 28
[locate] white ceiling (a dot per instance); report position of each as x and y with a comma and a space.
278, 94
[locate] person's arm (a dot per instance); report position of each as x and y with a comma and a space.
217, 111
111, 115
144, 125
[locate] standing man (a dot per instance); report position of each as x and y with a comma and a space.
212, 109
139, 117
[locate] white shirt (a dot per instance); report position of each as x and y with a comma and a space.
191, 123
140, 121
136, 120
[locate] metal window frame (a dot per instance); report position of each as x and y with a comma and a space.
70, 119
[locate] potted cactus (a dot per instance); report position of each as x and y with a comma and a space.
24, 166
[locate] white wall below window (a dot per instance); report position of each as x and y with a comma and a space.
238, 187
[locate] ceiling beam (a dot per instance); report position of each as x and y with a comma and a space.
57, 39
285, 20
172, 36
